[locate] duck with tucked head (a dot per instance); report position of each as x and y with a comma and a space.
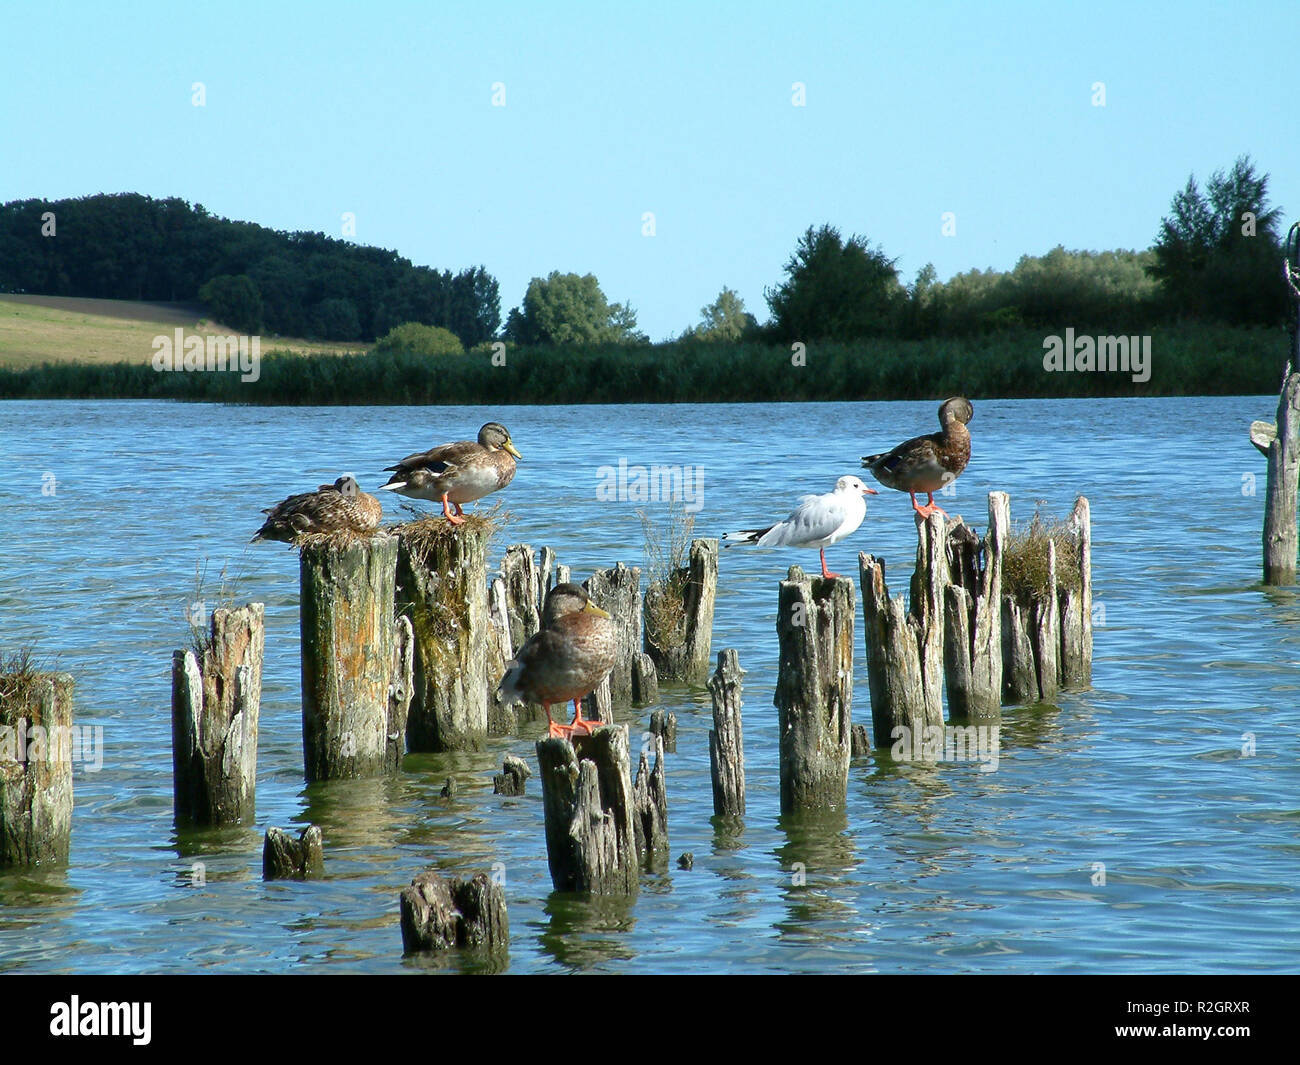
457, 473
569, 656
928, 463
337, 507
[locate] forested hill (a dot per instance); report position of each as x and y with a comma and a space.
133, 247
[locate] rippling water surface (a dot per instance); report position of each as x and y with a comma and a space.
929, 869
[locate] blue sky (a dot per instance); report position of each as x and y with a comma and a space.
684, 110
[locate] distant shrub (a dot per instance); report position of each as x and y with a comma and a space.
416, 339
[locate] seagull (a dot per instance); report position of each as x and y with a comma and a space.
818, 521
928, 463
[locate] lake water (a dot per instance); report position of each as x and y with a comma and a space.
933, 869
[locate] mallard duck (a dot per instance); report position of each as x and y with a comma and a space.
457, 473
331, 508
569, 656
927, 463
818, 521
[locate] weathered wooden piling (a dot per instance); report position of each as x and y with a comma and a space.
683, 653
36, 748
356, 660
650, 797
286, 858
1280, 494
973, 617
441, 914
814, 690
618, 591
523, 593
589, 808
859, 742
500, 716
905, 647
1076, 607
645, 680
216, 701
663, 723
511, 780
442, 589
727, 738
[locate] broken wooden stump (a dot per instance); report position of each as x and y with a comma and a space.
500, 716
442, 589
650, 798
1076, 607
973, 617
904, 647
523, 593
663, 723
618, 591
36, 754
355, 660
1280, 495
441, 914
645, 680
814, 690
859, 742
679, 639
589, 808
216, 699
727, 738
511, 779
286, 858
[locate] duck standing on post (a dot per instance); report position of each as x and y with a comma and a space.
818, 521
337, 507
928, 463
566, 658
457, 473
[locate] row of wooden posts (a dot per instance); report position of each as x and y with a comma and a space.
404, 639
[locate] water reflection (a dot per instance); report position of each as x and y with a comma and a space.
583, 932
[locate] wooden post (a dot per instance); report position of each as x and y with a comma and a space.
650, 797
645, 680
618, 591
215, 707
664, 723
35, 768
438, 914
500, 716
1019, 677
353, 708
814, 690
442, 588
727, 738
1076, 607
1280, 499
973, 617
514, 773
686, 656
523, 595
286, 858
903, 648
1045, 633
587, 798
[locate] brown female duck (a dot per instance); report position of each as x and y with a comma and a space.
337, 507
928, 463
457, 473
570, 655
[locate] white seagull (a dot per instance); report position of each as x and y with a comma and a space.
818, 521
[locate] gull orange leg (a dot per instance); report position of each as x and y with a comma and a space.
446, 512
825, 572
930, 507
580, 725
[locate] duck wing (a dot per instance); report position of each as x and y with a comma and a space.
816, 518
440, 459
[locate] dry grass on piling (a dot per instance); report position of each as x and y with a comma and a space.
426, 533
20, 671
667, 551
1025, 570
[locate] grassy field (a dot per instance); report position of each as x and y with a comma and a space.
62, 329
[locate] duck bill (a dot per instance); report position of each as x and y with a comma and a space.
592, 608
510, 447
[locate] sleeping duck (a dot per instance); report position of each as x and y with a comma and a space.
457, 473
928, 463
569, 656
337, 507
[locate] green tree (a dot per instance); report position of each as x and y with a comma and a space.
416, 338
570, 309
723, 319
233, 300
835, 290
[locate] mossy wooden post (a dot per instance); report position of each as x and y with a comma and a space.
1076, 607
1280, 499
589, 809
905, 647
686, 656
35, 768
354, 660
442, 588
618, 591
726, 738
650, 797
973, 618
215, 707
814, 690
441, 914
